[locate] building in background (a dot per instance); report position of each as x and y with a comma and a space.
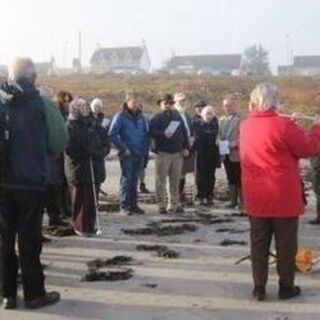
228, 64
302, 66
47, 68
121, 60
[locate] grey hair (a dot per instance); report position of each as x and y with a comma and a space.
22, 68
264, 97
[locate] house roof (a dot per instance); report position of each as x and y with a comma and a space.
226, 62
307, 61
121, 52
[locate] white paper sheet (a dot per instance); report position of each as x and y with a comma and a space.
105, 122
172, 128
224, 147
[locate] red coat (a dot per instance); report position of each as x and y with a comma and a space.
270, 149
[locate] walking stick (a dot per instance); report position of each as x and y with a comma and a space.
248, 257
99, 229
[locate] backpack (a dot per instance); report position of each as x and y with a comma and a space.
7, 93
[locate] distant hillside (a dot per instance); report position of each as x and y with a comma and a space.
299, 94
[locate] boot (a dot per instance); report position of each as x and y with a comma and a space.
259, 293
233, 197
286, 293
143, 188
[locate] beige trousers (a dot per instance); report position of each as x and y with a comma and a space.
168, 174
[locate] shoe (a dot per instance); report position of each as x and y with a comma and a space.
47, 299
137, 210
314, 222
259, 293
286, 293
143, 188
209, 202
45, 239
162, 210
78, 233
9, 303
125, 212
178, 209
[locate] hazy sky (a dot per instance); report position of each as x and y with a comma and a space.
42, 28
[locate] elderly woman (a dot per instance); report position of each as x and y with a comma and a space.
84, 165
97, 110
270, 149
207, 154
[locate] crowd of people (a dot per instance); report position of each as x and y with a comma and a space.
53, 148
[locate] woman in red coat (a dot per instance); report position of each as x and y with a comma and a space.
270, 149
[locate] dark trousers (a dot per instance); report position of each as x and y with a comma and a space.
130, 170
65, 199
21, 216
233, 172
84, 210
285, 232
53, 204
205, 176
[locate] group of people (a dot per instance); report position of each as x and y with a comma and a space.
52, 159
182, 144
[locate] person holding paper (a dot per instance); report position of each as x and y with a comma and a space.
171, 145
229, 151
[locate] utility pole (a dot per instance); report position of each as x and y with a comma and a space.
80, 52
288, 48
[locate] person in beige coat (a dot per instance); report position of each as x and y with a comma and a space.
229, 149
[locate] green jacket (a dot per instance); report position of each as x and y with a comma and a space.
57, 133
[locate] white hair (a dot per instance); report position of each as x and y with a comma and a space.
264, 97
96, 104
22, 68
206, 110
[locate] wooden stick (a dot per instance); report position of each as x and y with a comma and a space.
298, 116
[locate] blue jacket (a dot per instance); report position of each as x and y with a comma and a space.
27, 157
159, 124
129, 132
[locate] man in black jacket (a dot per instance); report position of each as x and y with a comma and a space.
171, 145
23, 137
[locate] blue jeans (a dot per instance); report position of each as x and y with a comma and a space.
130, 170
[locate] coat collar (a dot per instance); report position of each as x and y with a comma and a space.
270, 113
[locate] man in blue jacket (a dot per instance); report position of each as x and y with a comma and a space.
24, 178
129, 133
170, 137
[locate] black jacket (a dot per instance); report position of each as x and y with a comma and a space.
87, 145
206, 140
159, 124
27, 157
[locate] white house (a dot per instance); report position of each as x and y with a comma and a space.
229, 64
132, 60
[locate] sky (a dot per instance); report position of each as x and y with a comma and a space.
45, 28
